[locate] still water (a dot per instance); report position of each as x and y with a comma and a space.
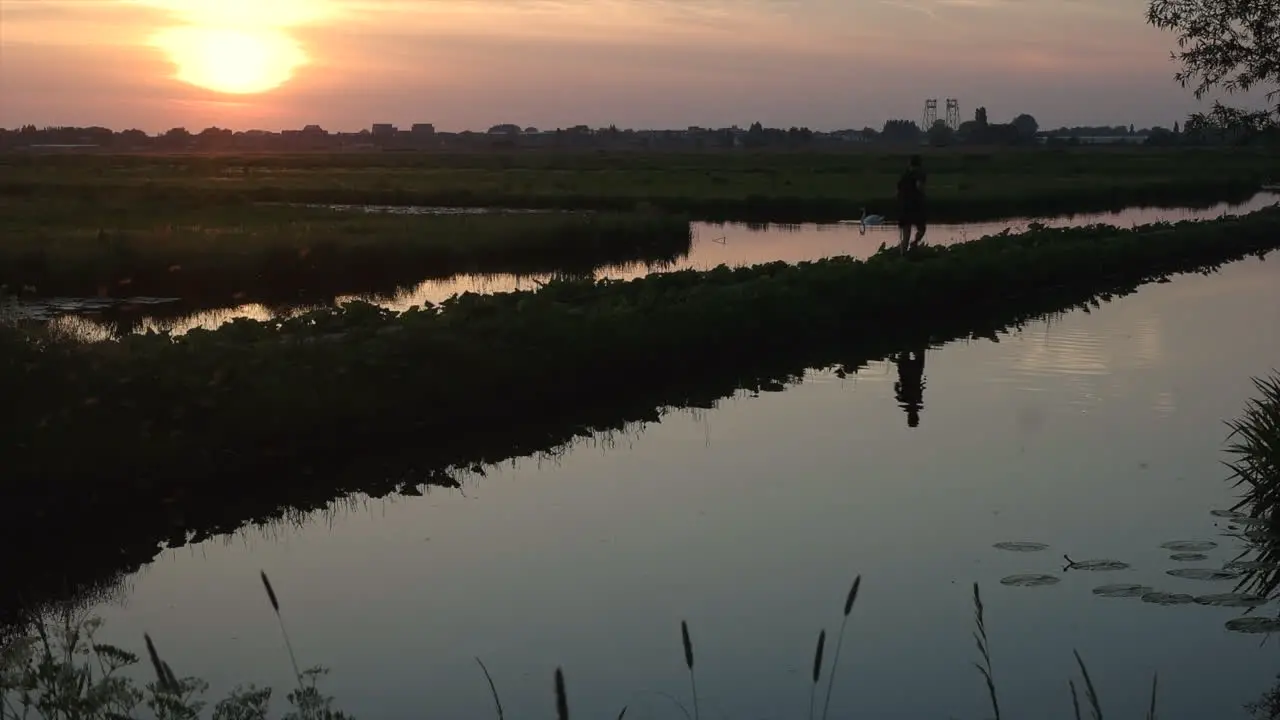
714, 244
1099, 434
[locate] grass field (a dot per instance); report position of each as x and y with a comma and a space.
964, 185
269, 253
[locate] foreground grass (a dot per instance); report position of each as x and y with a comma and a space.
58, 672
965, 185
1254, 446
261, 253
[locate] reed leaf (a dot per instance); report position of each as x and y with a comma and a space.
492, 688
562, 699
979, 615
835, 661
1090, 693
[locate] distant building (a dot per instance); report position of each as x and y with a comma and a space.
384, 129
423, 130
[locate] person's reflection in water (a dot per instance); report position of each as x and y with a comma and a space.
909, 389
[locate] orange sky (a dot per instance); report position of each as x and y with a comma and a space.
155, 64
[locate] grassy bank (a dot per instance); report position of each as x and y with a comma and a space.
202, 434
206, 252
715, 186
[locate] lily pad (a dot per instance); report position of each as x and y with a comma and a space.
1190, 545
1254, 625
1203, 574
1099, 565
1021, 546
1240, 600
1030, 580
1233, 514
1188, 557
1122, 591
1164, 598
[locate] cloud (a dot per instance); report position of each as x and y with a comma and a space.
251, 14
75, 22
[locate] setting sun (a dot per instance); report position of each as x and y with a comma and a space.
236, 62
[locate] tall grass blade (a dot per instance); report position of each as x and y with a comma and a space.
492, 688
688, 661
1090, 692
817, 670
623, 713
980, 636
835, 661
275, 605
1155, 681
162, 678
1075, 698
562, 700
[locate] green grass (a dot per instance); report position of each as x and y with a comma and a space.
964, 185
264, 253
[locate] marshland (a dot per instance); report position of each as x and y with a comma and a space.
709, 402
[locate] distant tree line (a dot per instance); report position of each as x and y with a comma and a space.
1220, 126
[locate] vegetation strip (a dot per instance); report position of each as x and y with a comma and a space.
783, 187
198, 435
244, 252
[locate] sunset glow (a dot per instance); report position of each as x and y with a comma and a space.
470, 64
238, 62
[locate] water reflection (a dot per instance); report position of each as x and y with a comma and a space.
909, 389
713, 244
537, 562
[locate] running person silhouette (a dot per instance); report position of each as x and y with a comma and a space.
911, 205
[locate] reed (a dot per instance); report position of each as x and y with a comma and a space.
275, 607
980, 635
494, 689
835, 661
688, 662
67, 680
562, 698
817, 670
1090, 693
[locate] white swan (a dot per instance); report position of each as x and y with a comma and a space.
868, 220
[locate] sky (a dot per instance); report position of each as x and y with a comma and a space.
470, 64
